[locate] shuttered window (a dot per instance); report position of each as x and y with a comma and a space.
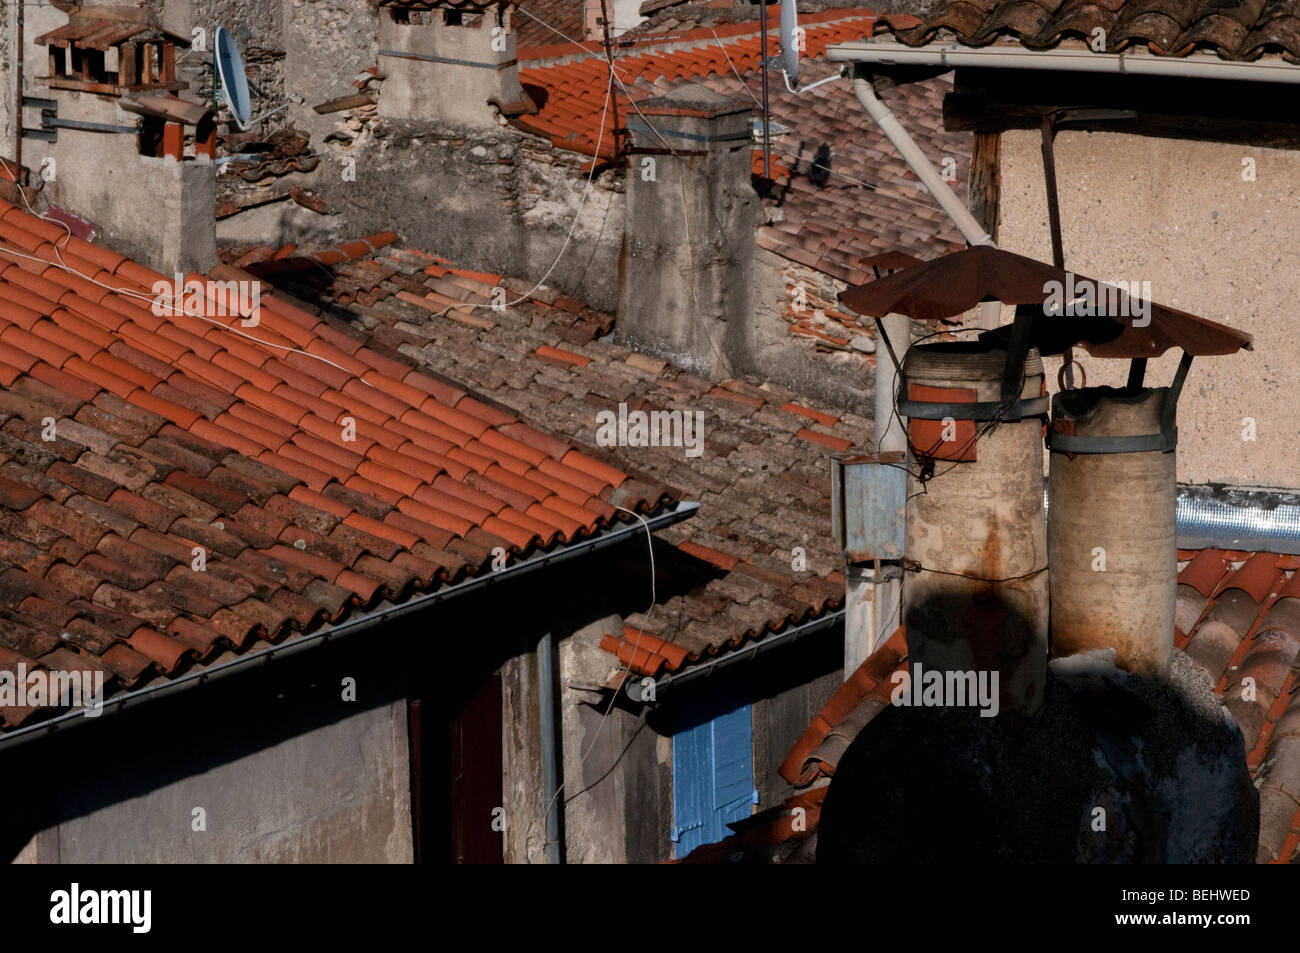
713, 776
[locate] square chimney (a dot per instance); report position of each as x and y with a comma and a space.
117, 136
444, 60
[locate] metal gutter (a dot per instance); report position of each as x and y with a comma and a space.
744, 655
1212, 517
386, 613
953, 55
1226, 517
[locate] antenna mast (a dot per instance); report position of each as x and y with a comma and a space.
767, 112
18, 95
613, 97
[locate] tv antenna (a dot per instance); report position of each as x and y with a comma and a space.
232, 84
788, 63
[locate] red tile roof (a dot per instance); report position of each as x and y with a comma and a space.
176, 434
1237, 616
571, 93
870, 202
862, 696
1165, 27
762, 482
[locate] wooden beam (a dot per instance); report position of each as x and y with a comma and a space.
986, 181
168, 62
126, 64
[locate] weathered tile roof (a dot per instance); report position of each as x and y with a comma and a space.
762, 481
1237, 616
130, 442
566, 16
1240, 31
870, 202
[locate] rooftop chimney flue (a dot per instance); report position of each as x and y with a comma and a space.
1112, 481
975, 598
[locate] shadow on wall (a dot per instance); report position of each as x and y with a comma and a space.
1113, 768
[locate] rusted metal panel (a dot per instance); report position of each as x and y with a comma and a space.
868, 496
955, 283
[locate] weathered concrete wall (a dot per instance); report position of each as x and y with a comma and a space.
495, 200
842, 378
257, 26
284, 769
596, 812
452, 92
155, 210
1178, 214
687, 274
327, 42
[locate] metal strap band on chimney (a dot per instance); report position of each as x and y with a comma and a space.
988, 410
430, 58
1166, 442
635, 125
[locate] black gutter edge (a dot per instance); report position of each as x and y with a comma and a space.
388, 611
811, 627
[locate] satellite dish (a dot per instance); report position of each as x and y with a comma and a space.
789, 45
234, 82
790, 51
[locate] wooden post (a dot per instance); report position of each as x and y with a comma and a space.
986, 180
126, 64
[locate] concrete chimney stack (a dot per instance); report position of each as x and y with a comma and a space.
118, 135
686, 285
1111, 530
445, 60
976, 596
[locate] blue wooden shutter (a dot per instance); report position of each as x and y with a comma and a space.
713, 775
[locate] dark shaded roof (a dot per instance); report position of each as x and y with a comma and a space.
174, 432
1235, 31
762, 481
1238, 617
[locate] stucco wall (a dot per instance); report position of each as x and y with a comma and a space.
284, 768
155, 210
1179, 215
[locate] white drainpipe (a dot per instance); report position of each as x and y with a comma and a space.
971, 230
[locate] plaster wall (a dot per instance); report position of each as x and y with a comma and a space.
1180, 215
155, 210
419, 88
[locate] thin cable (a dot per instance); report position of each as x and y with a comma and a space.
153, 300
563, 36
723, 47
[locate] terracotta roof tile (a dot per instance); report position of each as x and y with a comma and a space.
179, 434
1165, 27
